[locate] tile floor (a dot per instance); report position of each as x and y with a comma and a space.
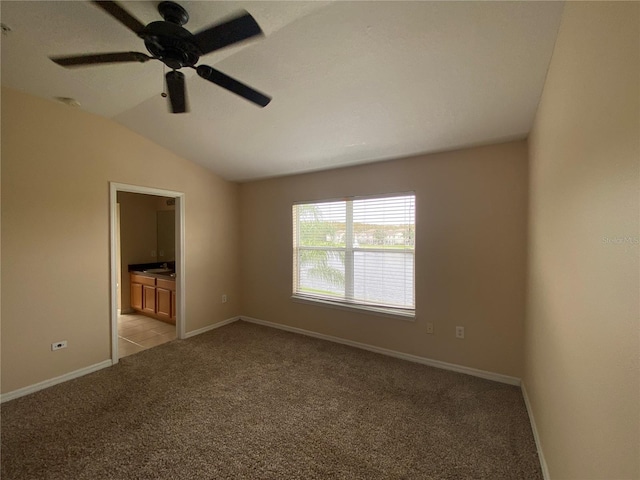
137, 333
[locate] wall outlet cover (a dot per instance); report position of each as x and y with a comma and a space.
58, 345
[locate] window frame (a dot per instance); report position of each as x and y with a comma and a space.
345, 303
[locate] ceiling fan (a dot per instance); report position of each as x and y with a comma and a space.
176, 47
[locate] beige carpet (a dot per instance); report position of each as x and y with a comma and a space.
250, 402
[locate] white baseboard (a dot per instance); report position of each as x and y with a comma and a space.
497, 377
536, 437
193, 333
5, 397
21, 392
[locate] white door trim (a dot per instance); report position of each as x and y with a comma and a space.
114, 188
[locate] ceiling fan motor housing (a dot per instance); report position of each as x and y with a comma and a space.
171, 44
168, 41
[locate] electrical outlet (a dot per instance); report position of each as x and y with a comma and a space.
58, 345
153, 253
224, 298
459, 332
429, 327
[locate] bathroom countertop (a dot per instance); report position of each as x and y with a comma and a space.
165, 276
141, 269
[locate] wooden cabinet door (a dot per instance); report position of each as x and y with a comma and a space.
136, 296
149, 299
163, 303
173, 306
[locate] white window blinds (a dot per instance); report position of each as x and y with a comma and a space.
358, 251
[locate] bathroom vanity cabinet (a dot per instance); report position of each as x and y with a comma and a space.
154, 296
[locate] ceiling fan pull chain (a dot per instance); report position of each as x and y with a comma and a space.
164, 85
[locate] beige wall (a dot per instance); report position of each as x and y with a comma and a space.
471, 208
582, 329
57, 163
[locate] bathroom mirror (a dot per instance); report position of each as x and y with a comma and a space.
166, 224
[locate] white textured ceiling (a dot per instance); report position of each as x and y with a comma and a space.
352, 82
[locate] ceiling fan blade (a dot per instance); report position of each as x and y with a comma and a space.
177, 91
116, 11
227, 33
98, 58
225, 81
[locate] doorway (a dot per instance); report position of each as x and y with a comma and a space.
178, 197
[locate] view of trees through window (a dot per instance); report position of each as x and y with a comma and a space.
357, 250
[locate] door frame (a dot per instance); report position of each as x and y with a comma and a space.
114, 244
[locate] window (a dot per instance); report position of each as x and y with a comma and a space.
357, 252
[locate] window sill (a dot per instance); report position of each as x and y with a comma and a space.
379, 311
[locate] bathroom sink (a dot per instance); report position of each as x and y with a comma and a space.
158, 270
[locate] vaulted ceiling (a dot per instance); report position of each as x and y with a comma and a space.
351, 82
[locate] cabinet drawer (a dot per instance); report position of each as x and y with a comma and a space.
143, 280
168, 284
